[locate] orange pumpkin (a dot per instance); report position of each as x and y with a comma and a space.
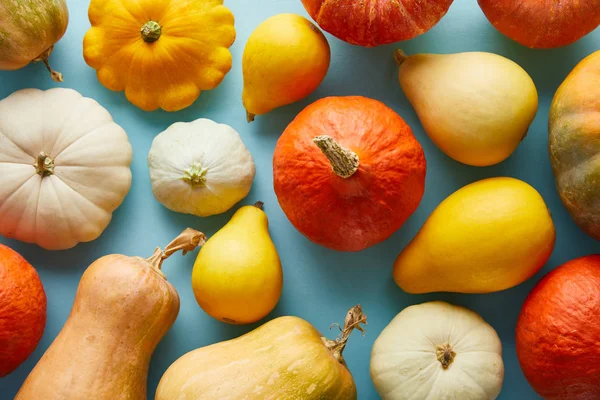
543, 23
22, 310
348, 172
376, 22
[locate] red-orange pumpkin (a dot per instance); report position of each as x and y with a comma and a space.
543, 23
348, 172
376, 22
558, 332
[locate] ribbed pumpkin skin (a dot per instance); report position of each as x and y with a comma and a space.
284, 359
349, 214
558, 332
22, 310
191, 54
543, 23
376, 22
122, 309
28, 28
574, 143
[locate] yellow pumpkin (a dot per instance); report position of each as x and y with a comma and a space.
285, 359
162, 53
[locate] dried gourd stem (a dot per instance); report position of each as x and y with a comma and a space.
260, 205
354, 319
400, 56
445, 355
44, 165
250, 117
188, 240
343, 161
56, 76
151, 31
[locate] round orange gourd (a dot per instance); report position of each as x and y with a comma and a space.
161, 53
348, 172
22, 310
558, 332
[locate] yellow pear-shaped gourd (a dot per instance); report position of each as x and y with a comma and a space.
286, 59
476, 107
237, 277
488, 236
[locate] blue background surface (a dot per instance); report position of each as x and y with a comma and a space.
320, 284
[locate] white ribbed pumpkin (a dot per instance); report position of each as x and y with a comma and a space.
200, 167
437, 351
64, 167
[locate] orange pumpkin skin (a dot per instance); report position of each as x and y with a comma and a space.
376, 22
558, 332
349, 214
22, 310
543, 23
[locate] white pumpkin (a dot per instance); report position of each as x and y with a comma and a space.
200, 168
64, 167
437, 351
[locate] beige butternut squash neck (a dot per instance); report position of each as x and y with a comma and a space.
188, 240
354, 319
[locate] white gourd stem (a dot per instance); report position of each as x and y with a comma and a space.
44, 165
400, 57
343, 161
354, 319
195, 175
445, 355
188, 240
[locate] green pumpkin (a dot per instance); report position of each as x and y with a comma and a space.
574, 143
28, 31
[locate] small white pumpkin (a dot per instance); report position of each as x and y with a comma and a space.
64, 167
200, 168
437, 351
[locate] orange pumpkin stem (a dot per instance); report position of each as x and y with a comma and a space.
343, 161
400, 57
188, 240
354, 319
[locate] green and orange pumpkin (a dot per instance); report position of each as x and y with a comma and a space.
348, 172
574, 143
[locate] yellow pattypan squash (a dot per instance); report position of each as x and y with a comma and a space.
162, 53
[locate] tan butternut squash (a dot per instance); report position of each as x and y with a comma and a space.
284, 359
122, 309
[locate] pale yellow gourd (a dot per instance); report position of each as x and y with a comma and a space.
285, 359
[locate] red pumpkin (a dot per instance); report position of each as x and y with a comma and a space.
348, 172
543, 23
558, 332
22, 310
376, 22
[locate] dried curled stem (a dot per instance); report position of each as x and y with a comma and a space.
354, 319
188, 240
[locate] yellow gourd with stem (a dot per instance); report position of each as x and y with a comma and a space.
162, 53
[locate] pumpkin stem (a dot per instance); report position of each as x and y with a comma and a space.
343, 161
195, 175
250, 117
400, 56
354, 319
188, 240
56, 76
445, 355
151, 31
44, 165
